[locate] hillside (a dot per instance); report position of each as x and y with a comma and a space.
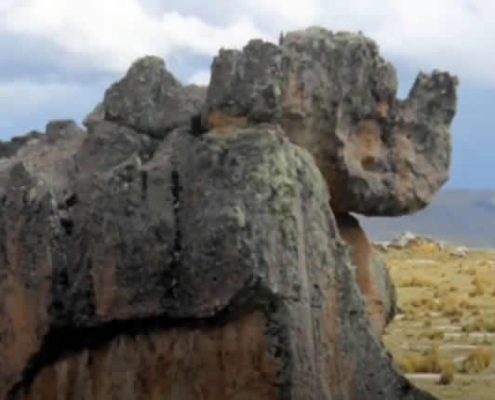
456, 216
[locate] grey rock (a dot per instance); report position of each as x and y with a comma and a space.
53, 130
386, 287
372, 275
404, 240
335, 96
461, 252
117, 247
95, 116
149, 99
9, 148
62, 127
381, 246
408, 239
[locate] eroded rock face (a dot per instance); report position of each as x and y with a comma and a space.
335, 96
149, 99
372, 275
195, 267
228, 361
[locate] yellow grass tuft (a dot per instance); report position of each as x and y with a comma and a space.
453, 289
454, 306
417, 281
479, 287
477, 361
479, 325
426, 363
433, 334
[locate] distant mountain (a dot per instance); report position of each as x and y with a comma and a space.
457, 216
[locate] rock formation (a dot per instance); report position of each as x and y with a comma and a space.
372, 275
143, 260
149, 99
334, 95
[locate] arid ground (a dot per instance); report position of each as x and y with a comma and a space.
447, 329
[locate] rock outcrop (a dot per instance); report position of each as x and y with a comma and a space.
141, 259
334, 95
372, 275
149, 99
461, 252
10, 148
203, 266
407, 240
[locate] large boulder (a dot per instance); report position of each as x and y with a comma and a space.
149, 99
334, 95
196, 267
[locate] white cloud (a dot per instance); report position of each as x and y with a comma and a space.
112, 33
277, 14
450, 34
201, 77
192, 33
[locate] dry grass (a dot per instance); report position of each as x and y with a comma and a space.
422, 363
479, 325
447, 374
417, 281
479, 287
449, 300
433, 334
477, 361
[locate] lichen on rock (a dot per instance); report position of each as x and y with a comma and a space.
334, 95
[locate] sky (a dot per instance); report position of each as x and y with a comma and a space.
59, 56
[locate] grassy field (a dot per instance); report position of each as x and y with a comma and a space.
445, 338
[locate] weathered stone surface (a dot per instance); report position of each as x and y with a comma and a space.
197, 267
9, 148
372, 275
149, 99
386, 287
335, 96
95, 116
53, 129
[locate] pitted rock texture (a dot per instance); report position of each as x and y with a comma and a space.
194, 267
149, 99
334, 95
